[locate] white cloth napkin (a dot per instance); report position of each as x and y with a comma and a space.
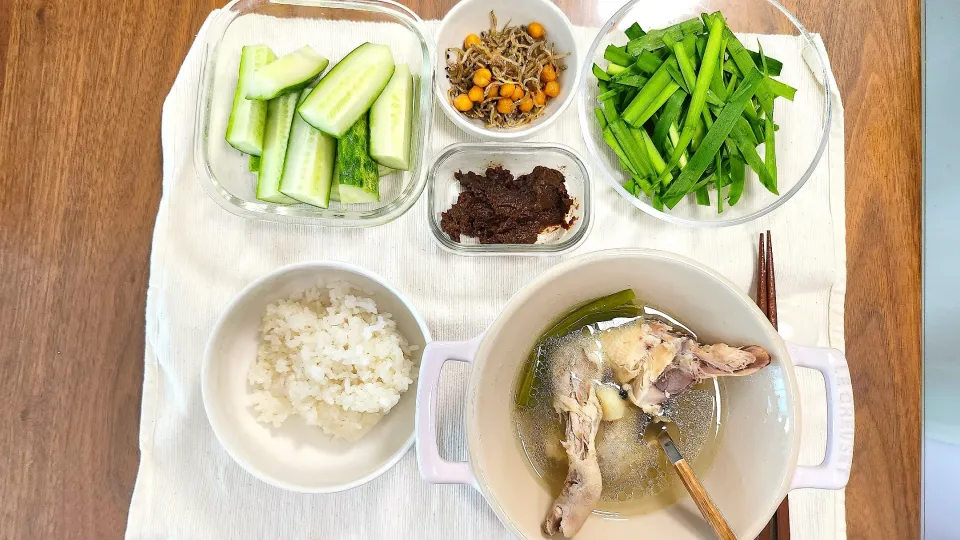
187, 485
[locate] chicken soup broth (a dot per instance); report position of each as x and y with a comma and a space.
636, 476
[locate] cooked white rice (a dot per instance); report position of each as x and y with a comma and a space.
328, 355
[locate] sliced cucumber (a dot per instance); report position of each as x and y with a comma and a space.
254, 164
280, 113
247, 118
335, 187
391, 119
384, 170
308, 166
287, 74
356, 172
349, 89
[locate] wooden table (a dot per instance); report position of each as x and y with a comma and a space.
81, 86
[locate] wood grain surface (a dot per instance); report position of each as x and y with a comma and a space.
81, 87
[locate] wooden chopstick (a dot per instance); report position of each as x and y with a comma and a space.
779, 526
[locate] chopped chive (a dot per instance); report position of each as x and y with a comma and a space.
644, 185
732, 84
718, 176
615, 146
658, 102
614, 69
636, 156
724, 124
648, 93
716, 84
741, 56
683, 60
677, 77
655, 158
610, 110
731, 67
647, 63
699, 96
714, 99
745, 145
770, 148
636, 81
738, 176
669, 116
780, 89
703, 196
656, 202
617, 55
614, 92
674, 134
599, 73
653, 39
601, 119
747, 126
774, 66
634, 32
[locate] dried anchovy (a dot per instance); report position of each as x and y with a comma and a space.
512, 56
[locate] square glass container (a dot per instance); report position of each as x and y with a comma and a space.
518, 158
333, 29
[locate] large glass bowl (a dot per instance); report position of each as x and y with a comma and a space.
804, 123
333, 28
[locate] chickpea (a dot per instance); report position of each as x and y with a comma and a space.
504, 106
482, 77
552, 89
507, 90
526, 104
548, 73
493, 90
462, 103
475, 94
518, 93
539, 98
536, 30
471, 39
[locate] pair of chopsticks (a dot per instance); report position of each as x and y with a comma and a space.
779, 526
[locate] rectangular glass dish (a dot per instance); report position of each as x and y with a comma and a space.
518, 158
333, 29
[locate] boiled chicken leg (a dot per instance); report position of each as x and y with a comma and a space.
576, 399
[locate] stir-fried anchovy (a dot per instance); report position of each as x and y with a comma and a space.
512, 56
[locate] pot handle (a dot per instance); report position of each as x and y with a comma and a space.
433, 468
834, 471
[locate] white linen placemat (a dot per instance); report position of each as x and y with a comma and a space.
187, 485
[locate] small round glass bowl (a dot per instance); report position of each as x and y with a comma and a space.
804, 123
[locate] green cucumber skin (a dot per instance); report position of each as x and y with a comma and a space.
254, 164
391, 121
247, 122
298, 68
308, 166
339, 99
357, 174
280, 112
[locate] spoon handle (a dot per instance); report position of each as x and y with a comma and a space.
709, 510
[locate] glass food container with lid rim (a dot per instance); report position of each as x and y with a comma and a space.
222, 171
519, 158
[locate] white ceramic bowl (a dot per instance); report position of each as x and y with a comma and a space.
472, 17
297, 456
755, 464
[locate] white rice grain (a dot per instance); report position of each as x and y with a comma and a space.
328, 355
